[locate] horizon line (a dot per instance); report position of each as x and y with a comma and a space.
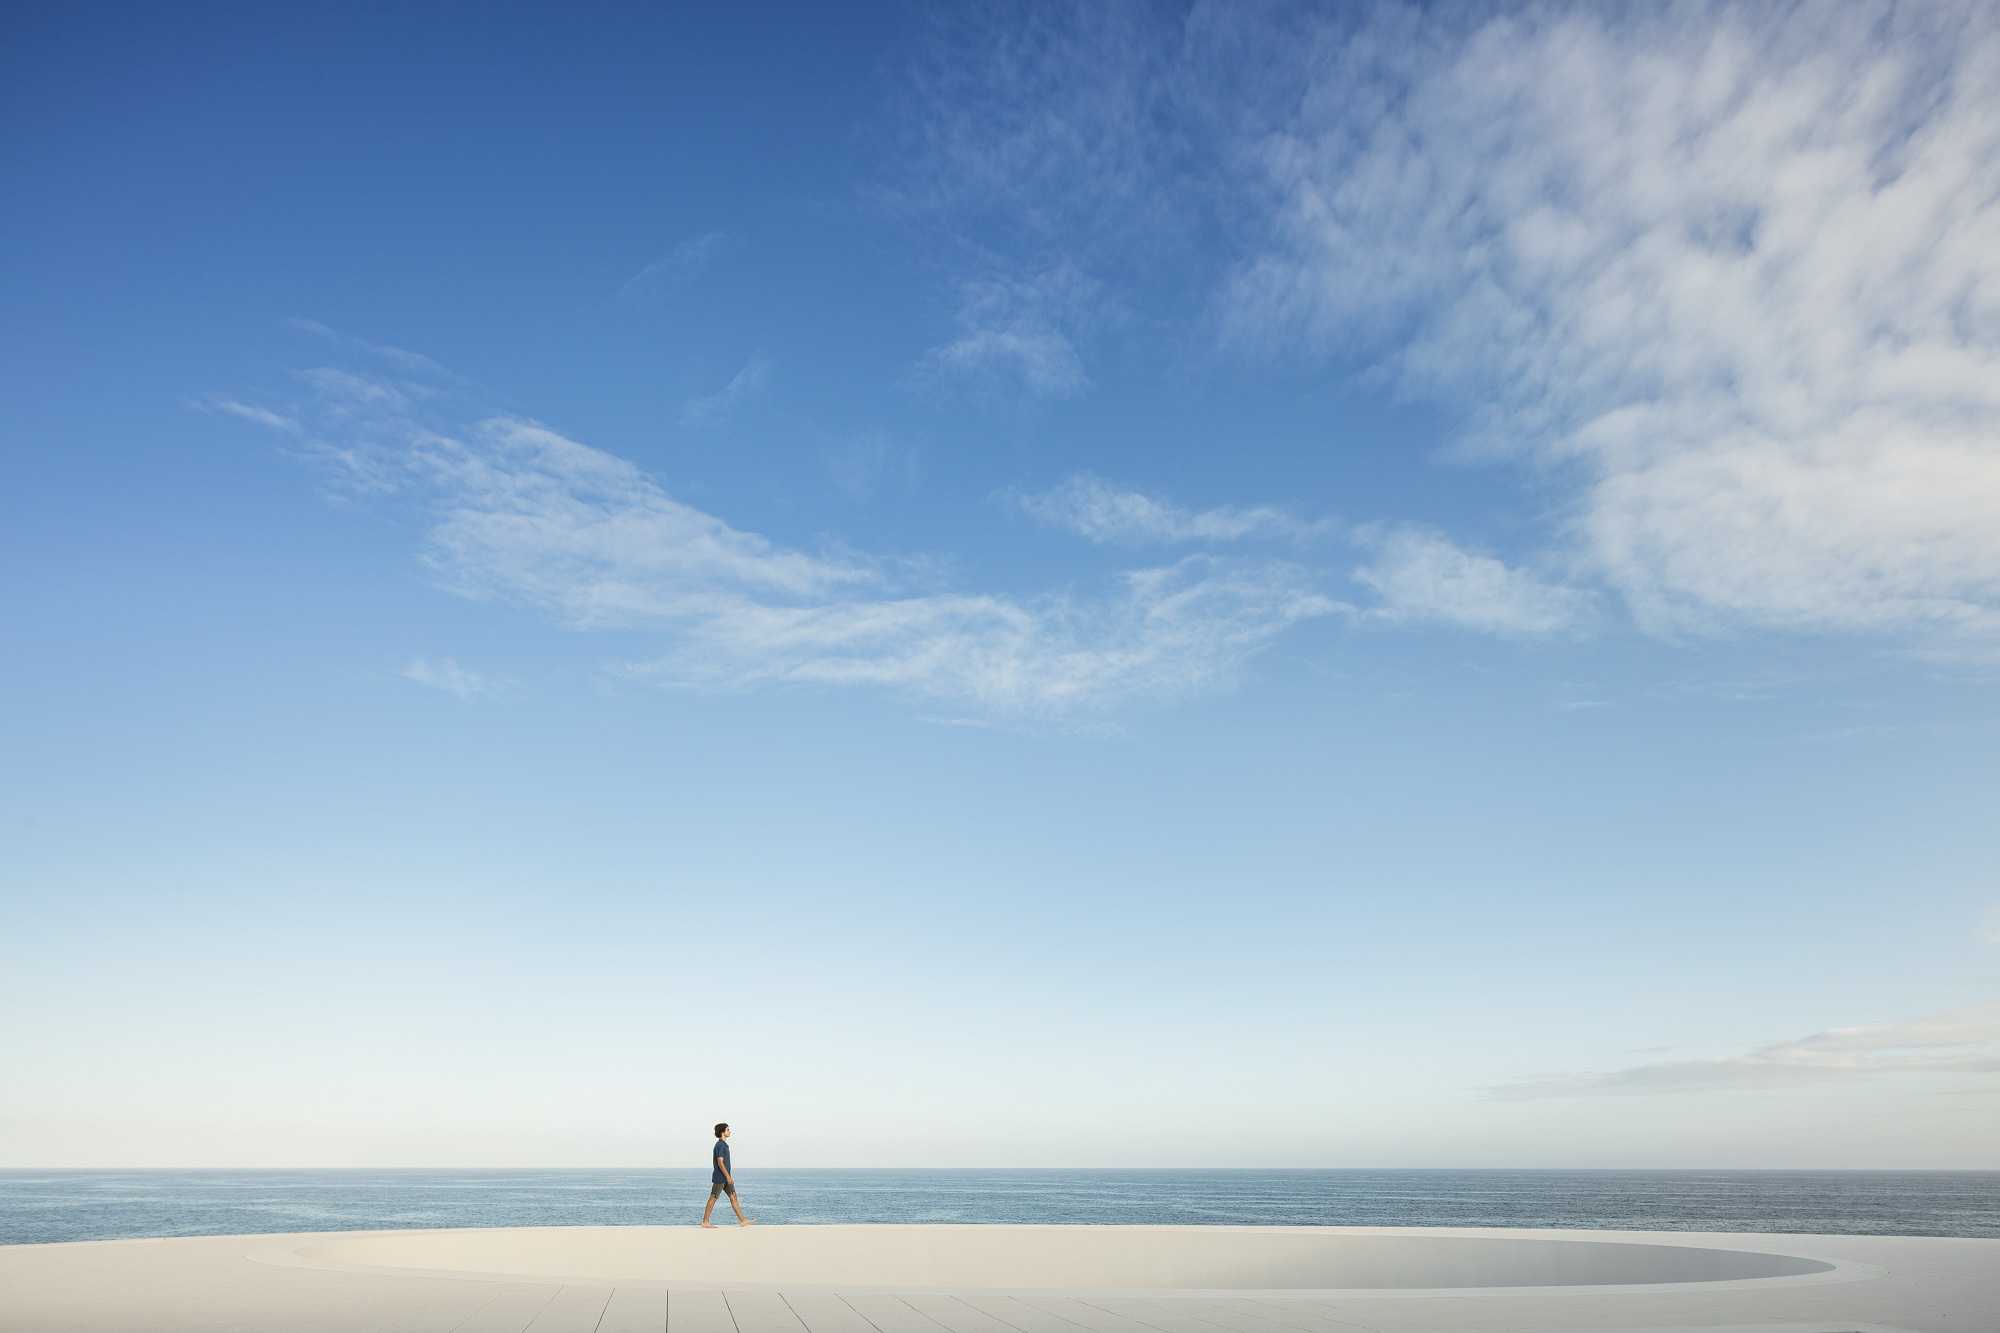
1774, 1170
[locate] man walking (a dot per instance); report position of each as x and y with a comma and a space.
721, 1179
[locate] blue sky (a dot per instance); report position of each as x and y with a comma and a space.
1026, 589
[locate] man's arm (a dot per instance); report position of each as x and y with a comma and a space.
722, 1165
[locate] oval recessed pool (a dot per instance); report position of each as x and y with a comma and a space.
1048, 1258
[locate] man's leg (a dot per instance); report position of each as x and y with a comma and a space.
741, 1220
709, 1211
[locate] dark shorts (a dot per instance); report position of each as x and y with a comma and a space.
719, 1188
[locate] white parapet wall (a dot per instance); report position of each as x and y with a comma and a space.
1005, 1279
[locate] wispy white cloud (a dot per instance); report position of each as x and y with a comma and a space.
257, 416
1040, 132
1094, 508
1965, 1041
526, 515
1424, 576
688, 260
1738, 270
343, 391
1015, 334
355, 466
1028, 154
414, 363
1162, 632
746, 384
1039, 359
447, 675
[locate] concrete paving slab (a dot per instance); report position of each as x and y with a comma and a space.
511, 1309
891, 1314
1019, 1314
825, 1312
952, 1313
573, 1310
698, 1311
762, 1311
1165, 1316
635, 1310
1083, 1314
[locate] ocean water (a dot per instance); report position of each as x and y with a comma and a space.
91, 1205
102, 1205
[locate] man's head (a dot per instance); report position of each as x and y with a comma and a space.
722, 1129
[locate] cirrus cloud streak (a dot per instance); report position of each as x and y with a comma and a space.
1964, 1041
520, 513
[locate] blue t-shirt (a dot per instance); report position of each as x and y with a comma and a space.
715, 1176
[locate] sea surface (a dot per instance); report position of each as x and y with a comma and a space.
102, 1205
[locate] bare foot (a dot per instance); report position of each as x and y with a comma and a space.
709, 1225
746, 1222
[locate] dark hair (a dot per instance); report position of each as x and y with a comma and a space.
720, 1125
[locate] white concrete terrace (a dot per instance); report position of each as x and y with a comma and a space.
1005, 1279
